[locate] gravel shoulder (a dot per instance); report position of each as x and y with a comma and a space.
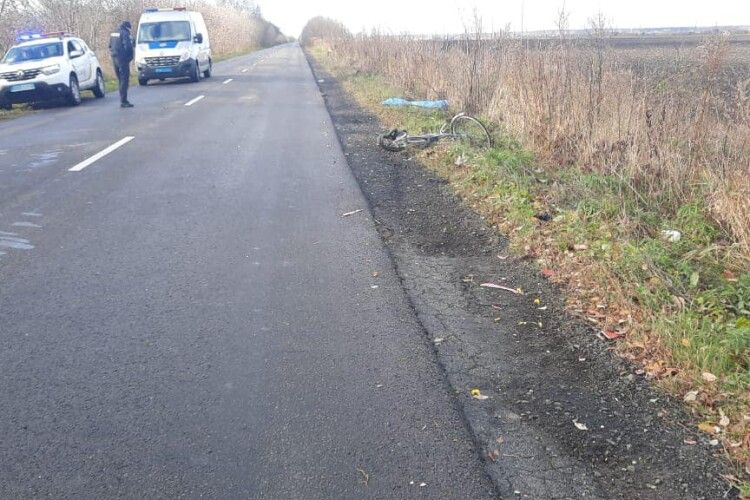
565, 417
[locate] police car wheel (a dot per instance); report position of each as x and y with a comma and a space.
74, 92
207, 73
98, 89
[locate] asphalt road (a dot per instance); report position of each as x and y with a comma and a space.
190, 315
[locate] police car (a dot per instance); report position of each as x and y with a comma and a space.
53, 66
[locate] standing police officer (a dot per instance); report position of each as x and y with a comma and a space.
121, 46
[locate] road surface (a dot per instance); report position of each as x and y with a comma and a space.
185, 311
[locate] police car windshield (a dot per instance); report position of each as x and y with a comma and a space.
33, 52
165, 31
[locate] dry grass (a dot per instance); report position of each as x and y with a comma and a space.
673, 136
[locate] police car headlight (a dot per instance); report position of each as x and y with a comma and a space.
51, 70
185, 56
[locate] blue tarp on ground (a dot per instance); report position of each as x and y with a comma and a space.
397, 101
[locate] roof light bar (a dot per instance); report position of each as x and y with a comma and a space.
168, 9
27, 37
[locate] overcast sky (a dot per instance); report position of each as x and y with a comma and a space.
450, 16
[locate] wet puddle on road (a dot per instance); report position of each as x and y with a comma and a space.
15, 241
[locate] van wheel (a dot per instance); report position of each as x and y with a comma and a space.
143, 82
207, 73
195, 73
98, 89
74, 92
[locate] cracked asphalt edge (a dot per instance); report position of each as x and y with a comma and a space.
545, 383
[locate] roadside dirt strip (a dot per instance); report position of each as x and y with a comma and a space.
563, 417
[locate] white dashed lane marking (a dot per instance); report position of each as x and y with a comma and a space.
193, 101
101, 154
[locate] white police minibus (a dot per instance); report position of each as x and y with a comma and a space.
172, 43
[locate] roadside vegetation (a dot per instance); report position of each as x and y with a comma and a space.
639, 155
236, 26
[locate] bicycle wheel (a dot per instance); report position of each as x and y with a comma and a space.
471, 131
394, 141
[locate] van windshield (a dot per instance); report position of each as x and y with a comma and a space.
33, 52
165, 31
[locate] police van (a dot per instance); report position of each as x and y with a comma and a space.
172, 43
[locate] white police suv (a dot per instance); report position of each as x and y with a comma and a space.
54, 66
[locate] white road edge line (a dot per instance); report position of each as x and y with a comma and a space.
101, 154
227, 81
191, 102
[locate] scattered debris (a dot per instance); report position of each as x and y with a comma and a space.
724, 420
422, 485
690, 396
671, 235
502, 257
517, 291
708, 428
347, 214
543, 216
321, 81
547, 272
438, 341
493, 455
477, 394
580, 247
375, 274
460, 161
709, 377
365, 476
610, 334
580, 426
399, 102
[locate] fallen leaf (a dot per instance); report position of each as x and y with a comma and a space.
580, 426
685, 342
729, 276
724, 421
707, 427
517, 291
709, 377
375, 274
548, 273
690, 396
611, 334
538, 301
